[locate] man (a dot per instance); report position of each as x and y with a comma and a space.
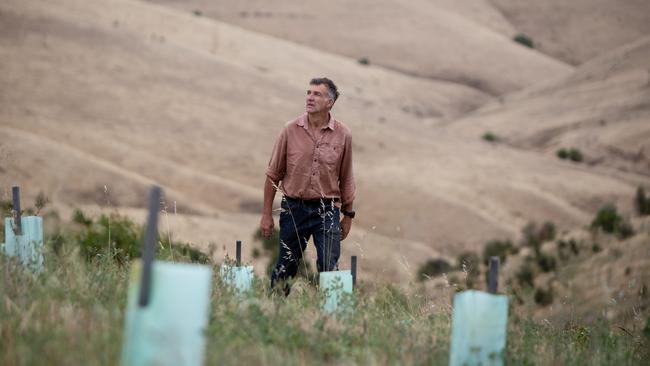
311, 165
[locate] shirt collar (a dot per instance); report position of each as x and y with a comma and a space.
302, 122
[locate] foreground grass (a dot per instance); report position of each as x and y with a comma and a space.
73, 314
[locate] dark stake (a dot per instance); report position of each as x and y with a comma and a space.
149, 250
238, 253
493, 275
18, 224
353, 266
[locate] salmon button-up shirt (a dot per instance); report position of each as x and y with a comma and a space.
312, 166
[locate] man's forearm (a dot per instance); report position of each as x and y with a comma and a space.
269, 196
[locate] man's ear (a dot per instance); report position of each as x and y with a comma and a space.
330, 103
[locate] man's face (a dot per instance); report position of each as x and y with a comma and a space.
317, 99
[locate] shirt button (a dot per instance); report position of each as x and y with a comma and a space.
314, 159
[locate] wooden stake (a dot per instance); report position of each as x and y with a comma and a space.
149, 249
493, 275
18, 224
353, 267
238, 256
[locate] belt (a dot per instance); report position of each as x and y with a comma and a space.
314, 201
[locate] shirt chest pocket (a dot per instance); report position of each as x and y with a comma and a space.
330, 153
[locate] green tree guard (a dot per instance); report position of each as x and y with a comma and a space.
478, 335
238, 278
335, 286
28, 247
170, 329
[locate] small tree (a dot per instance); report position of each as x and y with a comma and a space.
499, 248
641, 202
575, 155
524, 40
432, 268
608, 220
490, 137
544, 297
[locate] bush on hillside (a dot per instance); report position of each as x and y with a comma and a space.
111, 234
432, 268
525, 276
490, 137
595, 247
545, 262
566, 248
524, 40
534, 236
642, 202
608, 220
572, 154
363, 61
575, 155
498, 248
543, 297
121, 239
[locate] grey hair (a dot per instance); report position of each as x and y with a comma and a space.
332, 90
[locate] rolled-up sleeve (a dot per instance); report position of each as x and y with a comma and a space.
346, 175
278, 163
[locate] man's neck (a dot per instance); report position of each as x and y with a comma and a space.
318, 120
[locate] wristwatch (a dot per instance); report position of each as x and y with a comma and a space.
349, 214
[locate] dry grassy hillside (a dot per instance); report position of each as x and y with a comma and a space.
467, 43
602, 109
99, 100
579, 30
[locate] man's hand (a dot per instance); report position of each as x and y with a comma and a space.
266, 224
346, 225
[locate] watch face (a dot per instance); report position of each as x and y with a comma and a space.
349, 214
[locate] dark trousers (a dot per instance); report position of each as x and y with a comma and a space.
300, 220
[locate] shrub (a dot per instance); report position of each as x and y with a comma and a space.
524, 40
641, 202
596, 248
499, 248
566, 248
534, 236
112, 234
490, 137
121, 239
525, 276
433, 268
608, 220
572, 154
625, 230
543, 297
364, 61
575, 155
545, 262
